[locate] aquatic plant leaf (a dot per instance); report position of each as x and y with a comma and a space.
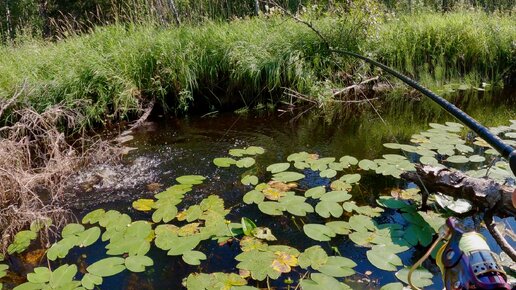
328, 173
253, 196
94, 216
428, 160
284, 262
390, 202
248, 243
296, 205
315, 192
313, 257
107, 267
245, 162
190, 179
361, 223
336, 266
131, 246
318, 232
193, 213
21, 242
224, 162
40, 224
339, 227
366, 164
457, 159
288, 176
393, 286
40, 275
254, 150
350, 178
464, 148
348, 160
180, 245
263, 233
89, 281
298, 157
193, 257
278, 167
143, 204
336, 196
174, 193
321, 281
383, 259
3, 270
165, 212
88, 237
237, 152
72, 229
415, 234
249, 180
61, 248
392, 145
273, 193
271, 208
459, 206
258, 263
477, 158
421, 277
138, 263
63, 277
329, 208
247, 226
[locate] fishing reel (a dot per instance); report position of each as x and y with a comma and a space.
466, 262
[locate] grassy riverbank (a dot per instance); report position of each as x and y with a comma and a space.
115, 70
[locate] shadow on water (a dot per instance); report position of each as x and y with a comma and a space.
171, 147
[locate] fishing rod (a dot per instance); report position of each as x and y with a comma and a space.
507, 151
465, 260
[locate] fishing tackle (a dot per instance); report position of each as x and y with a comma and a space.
465, 260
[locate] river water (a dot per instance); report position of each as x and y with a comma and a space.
168, 147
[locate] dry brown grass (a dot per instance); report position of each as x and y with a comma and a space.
36, 159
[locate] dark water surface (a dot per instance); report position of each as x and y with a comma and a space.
171, 147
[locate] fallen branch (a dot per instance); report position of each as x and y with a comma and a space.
502, 242
485, 194
360, 87
144, 116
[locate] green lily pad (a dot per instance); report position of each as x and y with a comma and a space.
313, 257
288, 176
278, 167
320, 281
328, 173
318, 232
366, 164
190, 179
237, 152
88, 237
249, 180
361, 223
89, 281
393, 286
143, 204
107, 267
271, 208
138, 263
339, 227
224, 162
193, 257
253, 196
338, 267
477, 158
383, 259
245, 162
329, 208
457, 159
254, 150
315, 192
420, 278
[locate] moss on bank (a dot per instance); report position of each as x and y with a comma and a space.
117, 69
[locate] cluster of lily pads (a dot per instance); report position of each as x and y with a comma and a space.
179, 229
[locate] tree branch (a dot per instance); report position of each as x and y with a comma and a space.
502, 242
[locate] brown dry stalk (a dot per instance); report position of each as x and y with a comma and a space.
36, 159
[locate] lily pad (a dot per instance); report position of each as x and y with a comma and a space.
318, 232
420, 278
245, 162
383, 259
288, 176
143, 204
224, 162
138, 263
278, 167
249, 180
107, 267
193, 257
190, 179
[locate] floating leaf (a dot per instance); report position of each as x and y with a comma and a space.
348, 160
350, 178
263, 233
336, 196
361, 223
318, 232
421, 277
190, 179
458, 159
460, 205
329, 208
278, 167
253, 196
393, 286
339, 227
245, 162
298, 157
89, 281
107, 267
338, 267
313, 257
143, 204
72, 229
249, 180
366, 164
284, 262
273, 193
237, 152
383, 259
315, 192
288, 176
320, 281
224, 162
328, 173
254, 150
193, 257
271, 208
88, 237
428, 160
477, 158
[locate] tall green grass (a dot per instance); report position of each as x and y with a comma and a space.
116, 69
